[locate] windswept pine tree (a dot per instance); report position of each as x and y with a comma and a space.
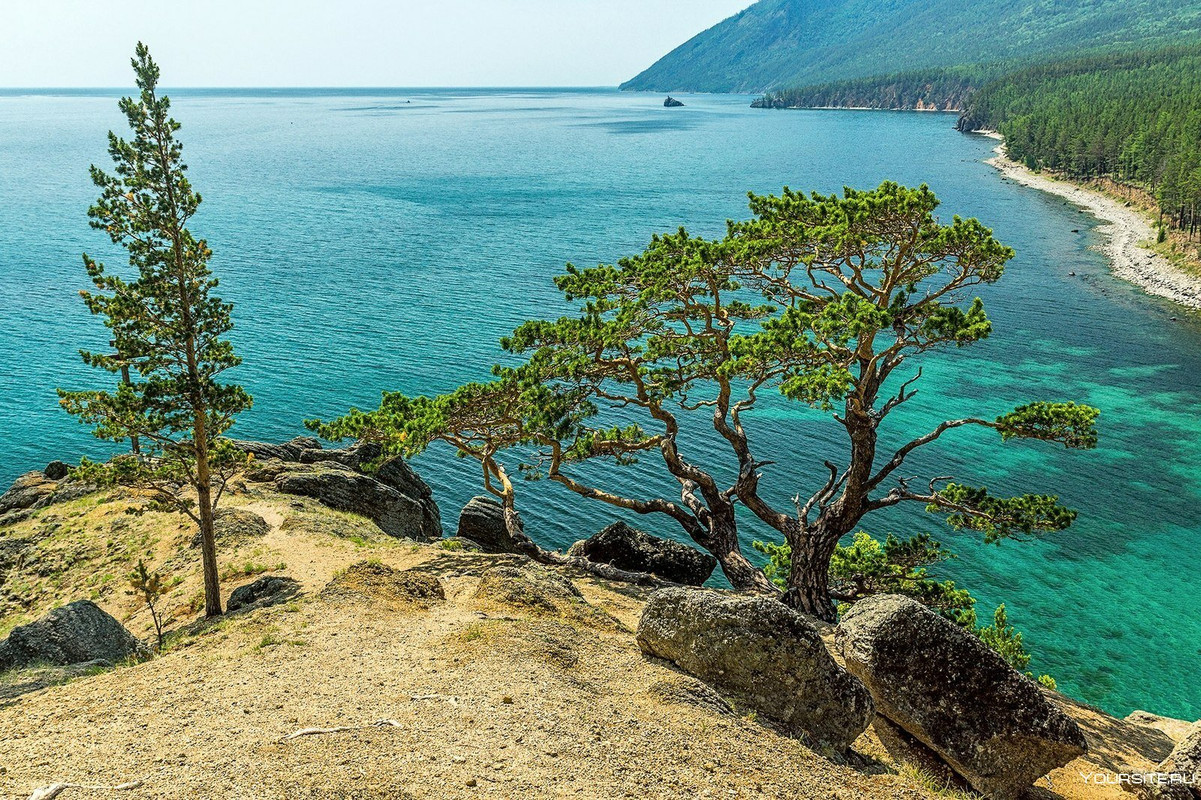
167, 329
826, 299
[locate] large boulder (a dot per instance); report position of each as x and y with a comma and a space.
763, 652
72, 634
956, 695
482, 521
633, 550
1178, 777
343, 489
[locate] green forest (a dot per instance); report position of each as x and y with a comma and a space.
1135, 118
947, 89
776, 44
1131, 117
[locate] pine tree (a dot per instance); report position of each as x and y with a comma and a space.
166, 326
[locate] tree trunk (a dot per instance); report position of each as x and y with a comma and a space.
809, 574
208, 541
743, 575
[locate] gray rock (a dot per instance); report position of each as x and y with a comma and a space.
354, 457
266, 591
954, 694
637, 551
763, 652
671, 102
291, 450
26, 491
72, 634
482, 521
1178, 777
34, 490
394, 496
56, 470
342, 489
400, 476
307, 450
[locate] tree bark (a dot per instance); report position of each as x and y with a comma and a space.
809, 575
744, 576
208, 541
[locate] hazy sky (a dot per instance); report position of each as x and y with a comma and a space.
68, 43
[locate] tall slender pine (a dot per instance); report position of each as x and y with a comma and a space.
166, 326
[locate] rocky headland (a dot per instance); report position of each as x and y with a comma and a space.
366, 655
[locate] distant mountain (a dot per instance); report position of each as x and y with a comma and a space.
786, 43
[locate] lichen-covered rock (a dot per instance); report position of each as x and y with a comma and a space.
75, 633
529, 587
762, 651
482, 521
1178, 777
956, 695
343, 489
371, 580
268, 590
630, 549
234, 526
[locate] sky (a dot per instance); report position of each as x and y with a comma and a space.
88, 43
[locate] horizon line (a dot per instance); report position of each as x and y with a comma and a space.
367, 87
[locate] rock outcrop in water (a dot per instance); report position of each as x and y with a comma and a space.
766, 654
671, 102
956, 695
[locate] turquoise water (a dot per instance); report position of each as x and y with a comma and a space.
373, 243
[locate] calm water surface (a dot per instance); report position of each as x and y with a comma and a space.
384, 240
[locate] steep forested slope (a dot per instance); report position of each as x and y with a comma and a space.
781, 43
1135, 118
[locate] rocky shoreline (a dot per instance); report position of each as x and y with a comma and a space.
1125, 230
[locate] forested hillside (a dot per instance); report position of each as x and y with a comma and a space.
946, 89
1135, 118
781, 43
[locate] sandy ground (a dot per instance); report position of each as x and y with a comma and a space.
1125, 230
480, 694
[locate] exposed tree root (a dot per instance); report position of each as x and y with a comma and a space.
55, 789
383, 723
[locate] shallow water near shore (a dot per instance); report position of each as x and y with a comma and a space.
385, 239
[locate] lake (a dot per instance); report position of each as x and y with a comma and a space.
385, 239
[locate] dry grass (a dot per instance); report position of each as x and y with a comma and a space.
503, 680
